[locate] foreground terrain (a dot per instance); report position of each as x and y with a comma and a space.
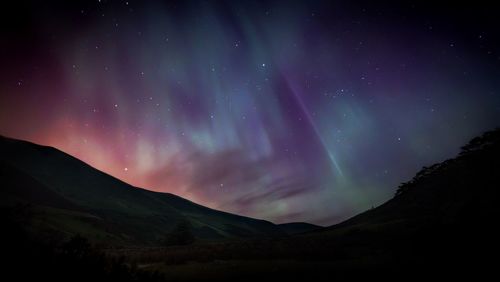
87, 224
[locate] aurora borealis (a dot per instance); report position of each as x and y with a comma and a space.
286, 110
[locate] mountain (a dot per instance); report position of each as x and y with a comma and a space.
457, 192
441, 224
443, 220
63, 196
294, 228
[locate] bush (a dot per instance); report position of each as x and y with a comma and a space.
181, 234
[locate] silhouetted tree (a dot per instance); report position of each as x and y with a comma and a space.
181, 234
487, 139
78, 246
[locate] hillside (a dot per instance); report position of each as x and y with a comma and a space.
66, 196
462, 190
443, 220
294, 228
442, 223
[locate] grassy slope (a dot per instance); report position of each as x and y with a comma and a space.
46, 177
294, 228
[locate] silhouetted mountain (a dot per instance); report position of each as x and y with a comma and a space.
444, 219
462, 190
293, 228
67, 197
441, 224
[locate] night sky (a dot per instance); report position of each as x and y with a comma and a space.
286, 111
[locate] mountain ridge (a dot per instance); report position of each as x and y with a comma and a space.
448, 193
294, 228
98, 193
442, 221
